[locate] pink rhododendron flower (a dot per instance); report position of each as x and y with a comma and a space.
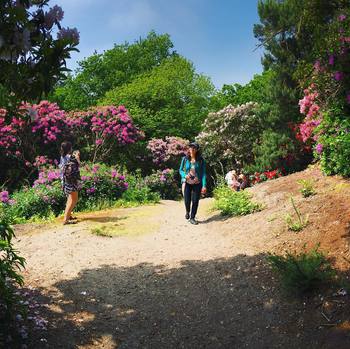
338, 76
319, 148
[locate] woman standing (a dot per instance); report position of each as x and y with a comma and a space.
70, 176
193, 174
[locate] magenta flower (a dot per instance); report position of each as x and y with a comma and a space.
341, 18
338, 75
319, 148
4, 197
331, 60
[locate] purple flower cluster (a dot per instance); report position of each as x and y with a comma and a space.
54, 15
163, 150
47, 176
69, 34
4, 197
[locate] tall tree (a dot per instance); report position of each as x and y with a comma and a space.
100, 73
170, 100
289, 32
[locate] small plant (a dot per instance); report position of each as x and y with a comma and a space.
307, 187
10, 279
234, 203
303, 272
101, 231
299, 223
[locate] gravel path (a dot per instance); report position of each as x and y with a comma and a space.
173, 285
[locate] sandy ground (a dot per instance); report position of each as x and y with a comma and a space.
163, 283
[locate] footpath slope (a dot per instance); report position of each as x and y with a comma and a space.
163, 283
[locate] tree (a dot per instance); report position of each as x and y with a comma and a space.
32, 60
100, 73
289, 32
236, 94
171, 99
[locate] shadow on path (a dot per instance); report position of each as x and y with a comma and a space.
221, 303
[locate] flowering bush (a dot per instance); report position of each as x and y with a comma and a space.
164, 183
29, 139
258, 177
327, 102
102, 130
228, 136
101, 186
33, 48
167, 152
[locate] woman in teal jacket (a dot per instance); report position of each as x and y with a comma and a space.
193, 174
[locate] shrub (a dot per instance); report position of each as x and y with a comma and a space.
299, 223
302, 272
101, 187
234, 203
33, 133
10, 264
228, 136
307, 187
164, 183
166, 153
138, 191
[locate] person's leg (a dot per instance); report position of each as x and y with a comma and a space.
68, 210
195, 199
75, 197
71, 202
187, 198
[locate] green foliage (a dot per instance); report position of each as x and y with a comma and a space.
236, 94
101, 187
307, 187
10, 264
171, 99
100, 73
290, 32
335, 138
34, 49
138, 191
234, 203
303, 272
31, 204
298, 223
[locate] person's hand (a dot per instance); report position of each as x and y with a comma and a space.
204, 190
76, 153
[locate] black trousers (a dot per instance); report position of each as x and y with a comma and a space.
192, 194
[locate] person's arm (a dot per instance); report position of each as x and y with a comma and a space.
181, 170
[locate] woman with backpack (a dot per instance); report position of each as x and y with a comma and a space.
193, 174
70, 176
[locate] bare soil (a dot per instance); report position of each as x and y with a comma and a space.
160, 282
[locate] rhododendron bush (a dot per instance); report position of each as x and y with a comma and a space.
32, 137
228, 136
326, 102
45, 198
167, 152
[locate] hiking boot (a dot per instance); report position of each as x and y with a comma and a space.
193, 221
187, 216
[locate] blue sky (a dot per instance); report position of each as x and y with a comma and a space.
217, 36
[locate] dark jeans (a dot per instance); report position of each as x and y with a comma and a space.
192, 193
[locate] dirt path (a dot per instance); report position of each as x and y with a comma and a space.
163, 283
